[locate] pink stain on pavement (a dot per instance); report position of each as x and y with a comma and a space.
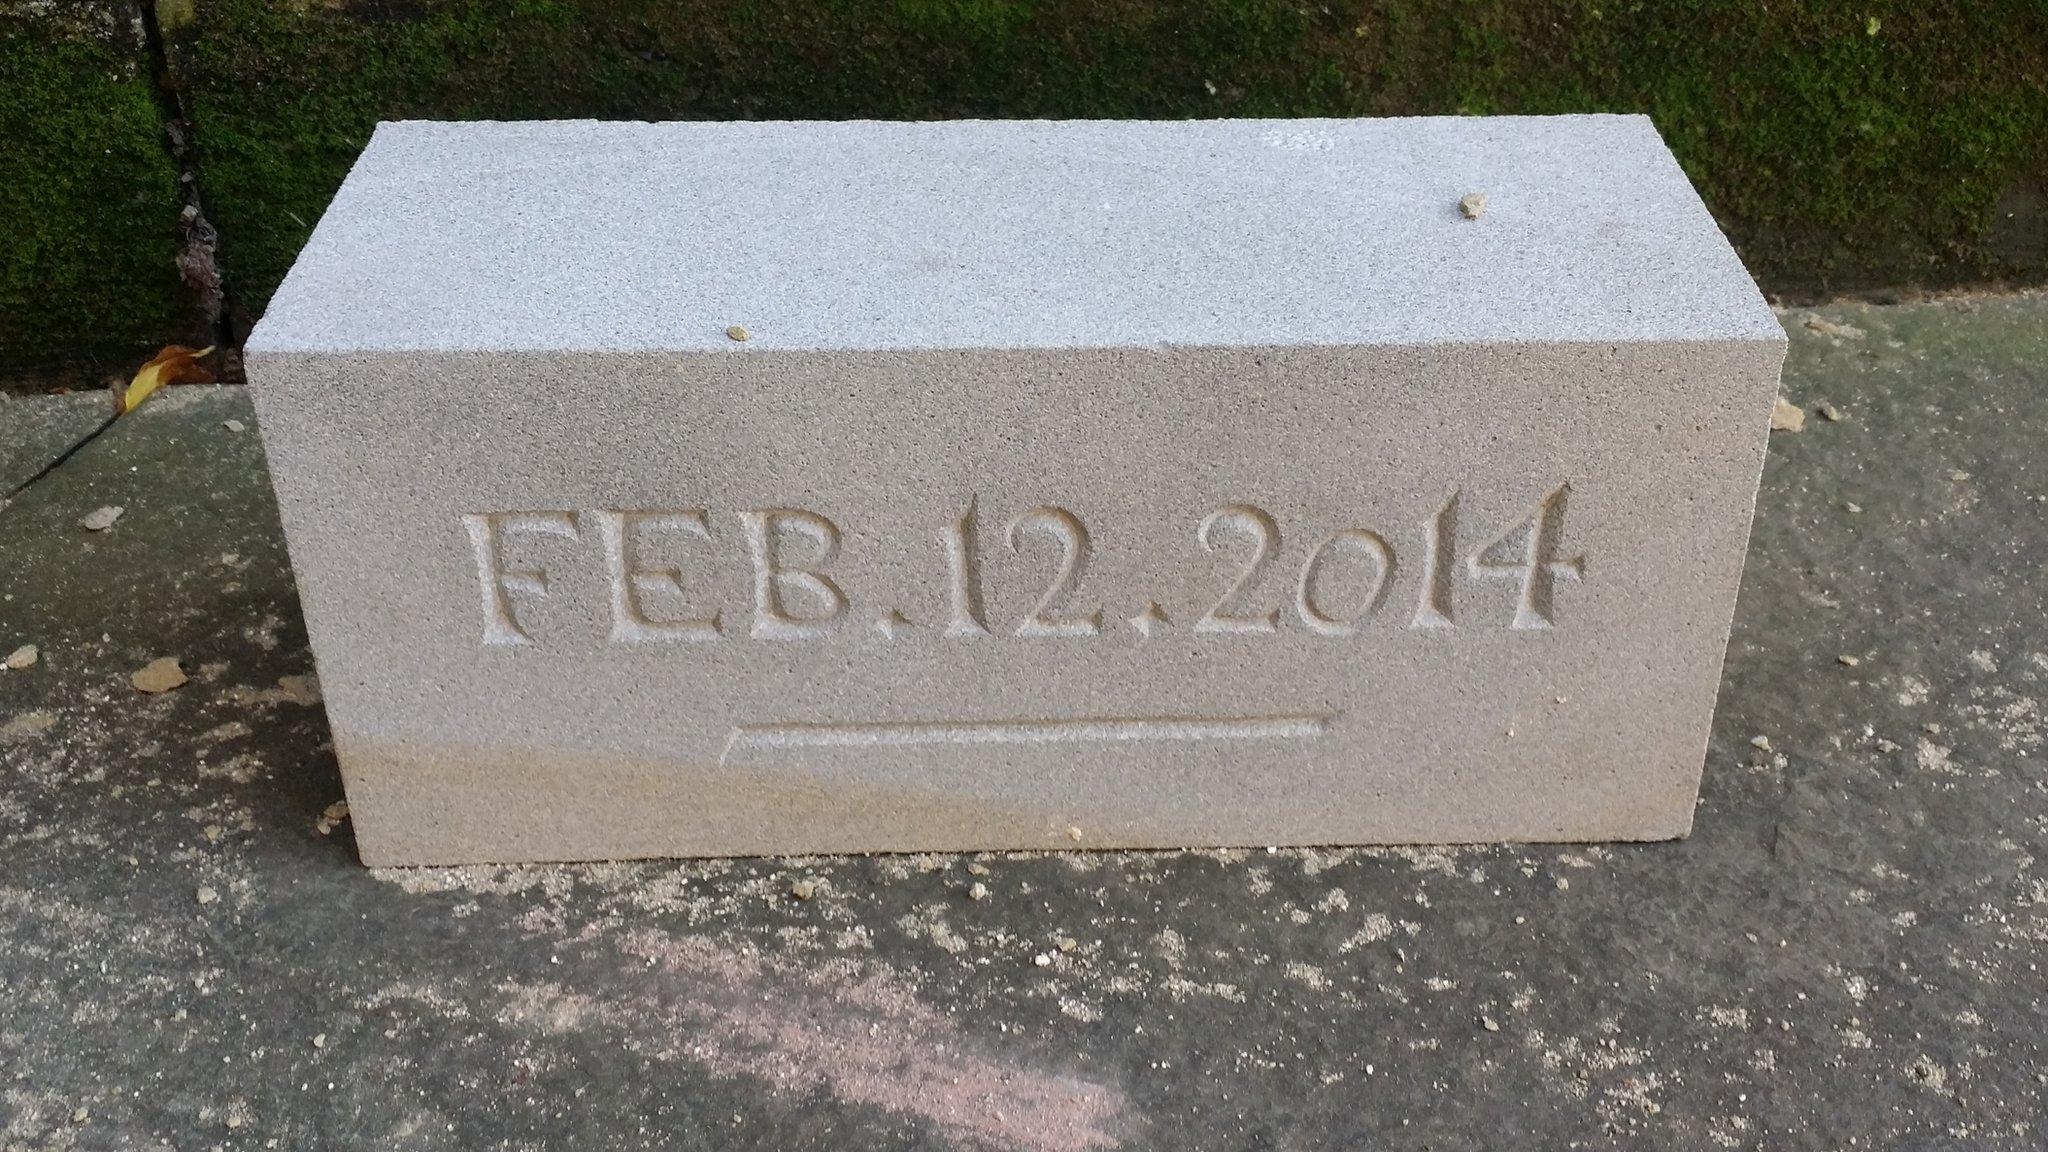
861, 1035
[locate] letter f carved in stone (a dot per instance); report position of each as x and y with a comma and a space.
487, 532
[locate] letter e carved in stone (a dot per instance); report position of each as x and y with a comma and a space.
630, 578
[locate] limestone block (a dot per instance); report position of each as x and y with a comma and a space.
703, 489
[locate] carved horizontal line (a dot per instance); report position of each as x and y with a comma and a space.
1077, 730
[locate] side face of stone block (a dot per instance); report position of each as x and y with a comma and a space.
1093, 585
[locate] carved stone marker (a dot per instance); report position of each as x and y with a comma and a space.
680, 489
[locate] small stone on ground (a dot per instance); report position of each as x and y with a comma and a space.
1787, 416
303, 690
102, 518
159, 675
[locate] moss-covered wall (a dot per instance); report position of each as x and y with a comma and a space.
1843, 145
88, 196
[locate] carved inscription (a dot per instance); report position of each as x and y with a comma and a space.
1067, 528
487, 532
1437, 541
1244, 519
1537, 568
1342, 581
963, 564
1358, 541
774, 576
630, 581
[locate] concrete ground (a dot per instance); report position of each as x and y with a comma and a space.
1846, 954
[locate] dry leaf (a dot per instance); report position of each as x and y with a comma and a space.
159, 675
176, 364
1787, 416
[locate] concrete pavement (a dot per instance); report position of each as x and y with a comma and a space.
1847, 953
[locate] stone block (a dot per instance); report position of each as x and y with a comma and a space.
746, 488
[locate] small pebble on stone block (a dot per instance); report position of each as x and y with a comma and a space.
1070, 484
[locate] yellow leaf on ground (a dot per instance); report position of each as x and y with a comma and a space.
176, 364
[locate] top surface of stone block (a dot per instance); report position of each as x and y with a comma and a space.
586, 235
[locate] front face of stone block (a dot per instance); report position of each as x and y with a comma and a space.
769, 601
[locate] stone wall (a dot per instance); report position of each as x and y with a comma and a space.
89, 195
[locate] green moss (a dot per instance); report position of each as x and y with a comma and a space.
1836, 159
88, 198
